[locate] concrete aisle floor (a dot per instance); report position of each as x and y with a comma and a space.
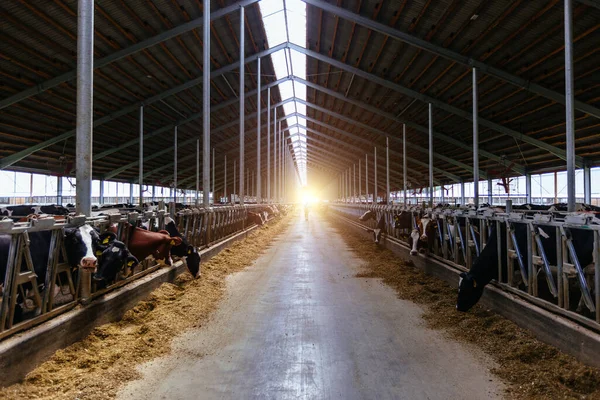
299, 325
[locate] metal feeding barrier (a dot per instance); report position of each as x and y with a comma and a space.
65, 287
462, 234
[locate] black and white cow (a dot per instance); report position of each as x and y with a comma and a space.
113, 259
82, 245
184, 249
485, 267
379, 227
28, 209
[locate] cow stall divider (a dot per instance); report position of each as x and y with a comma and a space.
461, 234
65, 287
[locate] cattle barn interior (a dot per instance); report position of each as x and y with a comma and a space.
462, 135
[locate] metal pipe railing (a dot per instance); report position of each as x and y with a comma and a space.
454, 225
201, 227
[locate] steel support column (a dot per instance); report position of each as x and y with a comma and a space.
233, 194
141, 160
206, 101
258, 104
387, 170
85, 112
213, 175
130, 192
197, 171
354, 184
275, 183
269, 200
225, 179
367, 178
570, 105
490, 192
174, 166
430, 155
59, 190
242, 108
587, 185
359, 181
375, 172
101, 199
528, 189
463, 197
475, 139
404, 172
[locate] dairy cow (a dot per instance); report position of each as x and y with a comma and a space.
184, 249
82, 244
29, 209
485, 267
143, 243
379, 227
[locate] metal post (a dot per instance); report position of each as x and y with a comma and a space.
253, 182
101, 199
490, 192
275, 183
387, 169
375, 172
85, 97
404, 172
141, 162
153, 192
354, 185
528, 192
130, 192
475, 139
234, 182
366, 178
258, 188
225, 179
206, 103
430, 155
569, 106
242, 109
213, 175
463, 200
359, 181
197, 171
587, 185
269, 200
174, 167
248, 180
59, 190
280, 184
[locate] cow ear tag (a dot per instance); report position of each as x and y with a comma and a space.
130, 263
189, 252
105, 241
98, 253
474, 283
172, 243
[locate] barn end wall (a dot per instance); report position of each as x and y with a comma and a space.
21, 353
573, 339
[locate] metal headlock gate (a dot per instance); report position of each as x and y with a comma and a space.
63, 287
461, 235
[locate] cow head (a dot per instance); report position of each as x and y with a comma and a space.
81, 244
414, 235
469, 292
193, 261
367, 216
115, 258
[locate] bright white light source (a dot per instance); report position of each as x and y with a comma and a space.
286, 62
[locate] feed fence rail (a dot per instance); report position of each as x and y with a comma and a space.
64, 287
461, 234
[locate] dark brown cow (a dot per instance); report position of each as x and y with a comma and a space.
143, 243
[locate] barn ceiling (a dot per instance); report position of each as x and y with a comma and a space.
370, 68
